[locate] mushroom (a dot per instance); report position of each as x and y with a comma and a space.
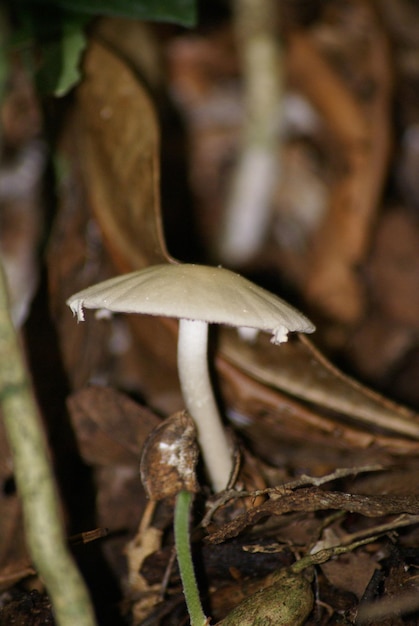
197, 295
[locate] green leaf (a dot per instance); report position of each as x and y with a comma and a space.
50, 44
177, 11
60, 69
4, 45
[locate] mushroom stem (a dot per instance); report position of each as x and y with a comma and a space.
200, 402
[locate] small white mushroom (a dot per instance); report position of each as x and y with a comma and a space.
197, 295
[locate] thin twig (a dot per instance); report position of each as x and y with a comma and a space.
274, 492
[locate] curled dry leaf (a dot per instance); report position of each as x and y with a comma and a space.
169, 458
123, 173
304, 372
109, 193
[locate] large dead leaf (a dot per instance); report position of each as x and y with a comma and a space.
301, 370
120, 157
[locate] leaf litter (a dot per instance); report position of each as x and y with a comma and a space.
324, 508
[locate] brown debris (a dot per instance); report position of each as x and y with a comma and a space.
169, 458
318, 500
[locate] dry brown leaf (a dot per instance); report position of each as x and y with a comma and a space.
111, 429
120, 148
300, 369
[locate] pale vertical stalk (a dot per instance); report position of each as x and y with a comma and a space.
200, 402
35, 482
249, 201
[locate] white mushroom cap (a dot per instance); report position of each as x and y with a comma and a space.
197, 295
194, 292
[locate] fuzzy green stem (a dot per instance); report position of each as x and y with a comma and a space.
35, 482
184, 557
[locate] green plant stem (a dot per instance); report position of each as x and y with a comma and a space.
35, 482
184, 557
